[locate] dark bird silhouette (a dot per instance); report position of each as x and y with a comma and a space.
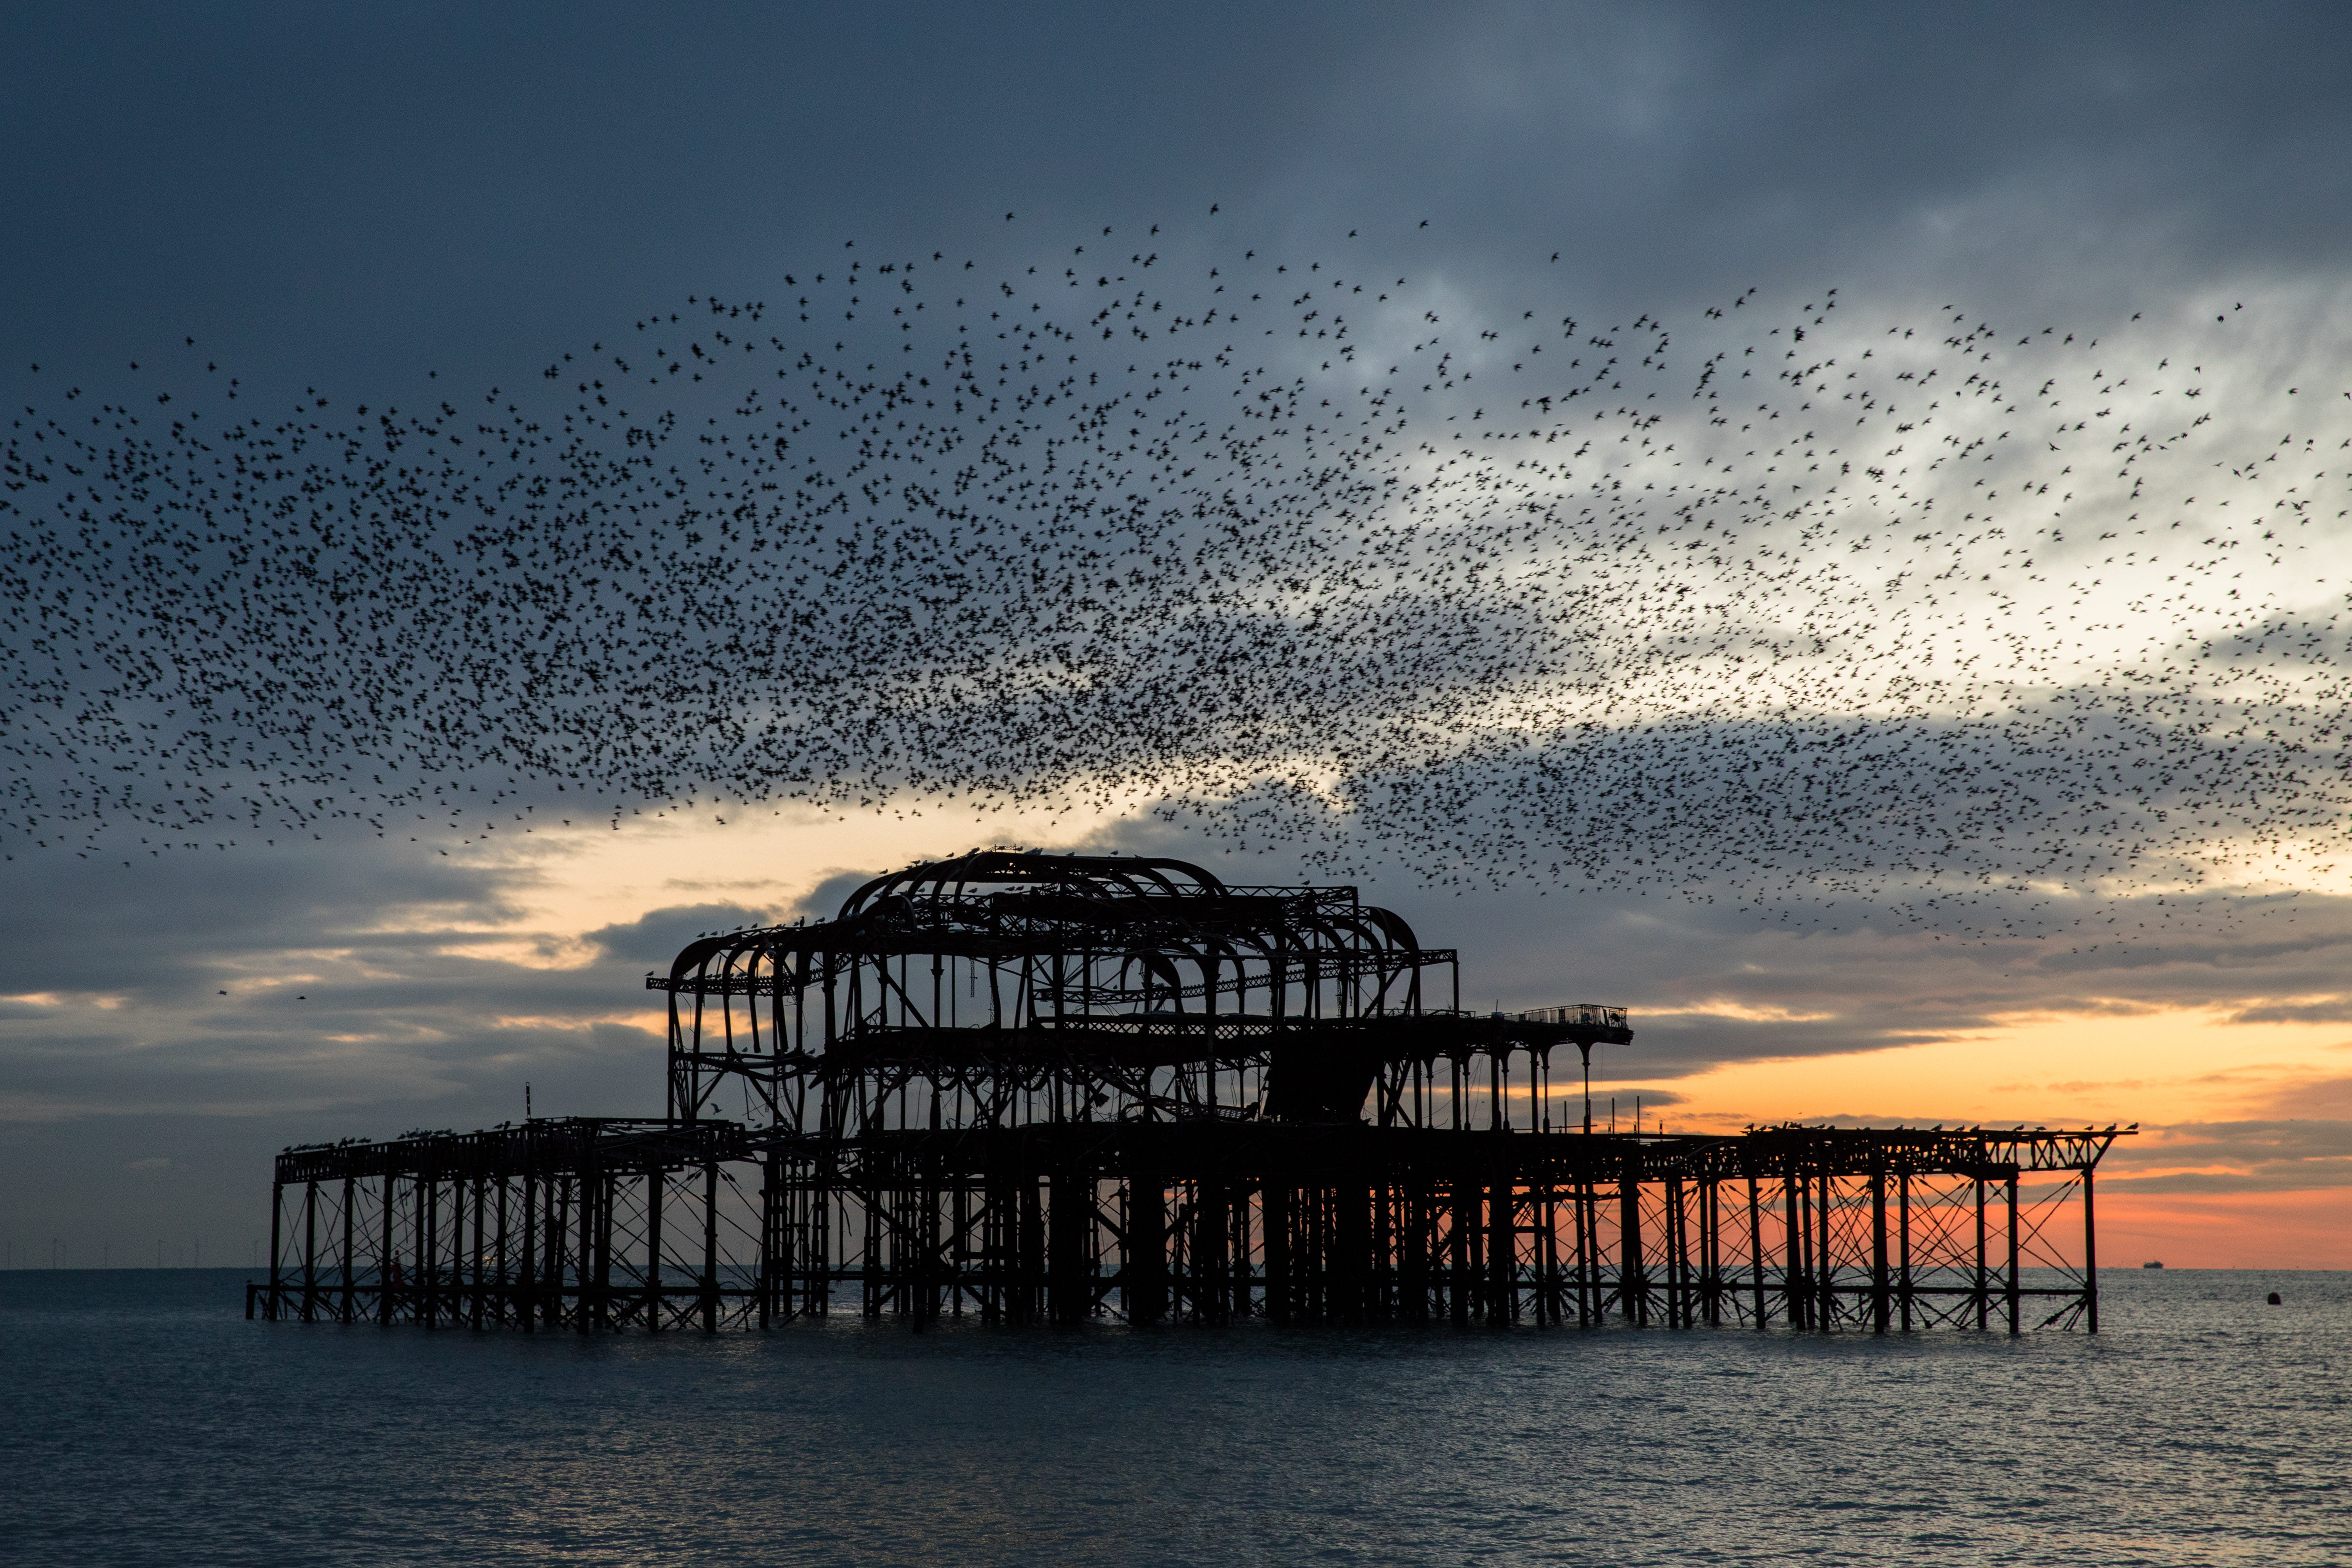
1757, 606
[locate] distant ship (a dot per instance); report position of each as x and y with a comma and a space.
2151, 1266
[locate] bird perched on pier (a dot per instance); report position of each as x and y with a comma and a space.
1965, 622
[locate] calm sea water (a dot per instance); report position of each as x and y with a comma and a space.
142, 1420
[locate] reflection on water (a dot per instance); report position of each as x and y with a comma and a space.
143, 1420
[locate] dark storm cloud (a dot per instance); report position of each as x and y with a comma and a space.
334, 193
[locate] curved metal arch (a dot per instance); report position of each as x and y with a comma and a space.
1142, 984
1084, 872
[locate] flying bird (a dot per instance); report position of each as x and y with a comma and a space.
1760, 605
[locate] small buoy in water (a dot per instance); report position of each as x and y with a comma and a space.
2274, 1297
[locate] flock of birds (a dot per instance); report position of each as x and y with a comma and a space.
2001, 629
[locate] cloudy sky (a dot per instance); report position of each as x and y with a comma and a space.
353, 202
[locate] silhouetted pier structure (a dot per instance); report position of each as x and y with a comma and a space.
1028, 1089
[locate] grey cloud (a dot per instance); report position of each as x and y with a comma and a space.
2257, 1156
2329, 1010
2316, 1098
2240, 1141
824, 901
2201, 1182
654, 938
1709, 983
1654, 149
173, 926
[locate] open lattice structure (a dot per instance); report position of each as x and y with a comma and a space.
1033, 1088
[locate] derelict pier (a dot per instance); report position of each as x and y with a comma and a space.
1028, 1089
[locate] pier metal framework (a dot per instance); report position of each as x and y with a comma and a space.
1037, 1088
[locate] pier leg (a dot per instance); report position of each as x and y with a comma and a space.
583, 1265
2090, 1256
386, 1259
1678, 1252
1824, 1258
526, 1295
309, 1249
1147, 1251
276, 1209
1714, 1262
474, 1255
2013, 1301
1880, 1297
427, 1249
1983, 1285
1633, 1276
502, 1300
1756, 1253
1795, 1296
1579, 1198
710, 1247
1903, 1231
1460, 1222
1502, 1252
656, 1180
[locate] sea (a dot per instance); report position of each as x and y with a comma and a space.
144, 1420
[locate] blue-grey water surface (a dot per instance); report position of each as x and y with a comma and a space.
142, 1420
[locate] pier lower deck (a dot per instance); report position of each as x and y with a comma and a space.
592, 1225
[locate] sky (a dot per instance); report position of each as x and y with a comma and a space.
357, 204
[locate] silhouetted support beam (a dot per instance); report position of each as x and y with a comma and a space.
473, 1261
1502, 1252
1145, 1265
309, 1250
1069, 1287
710, 1280
1550, 1296
585, 1316
1983, 1283
526, 1295
1586, 1270
1755, 1252
1030, 1287
1903, 1230
277, 1213
2013, 1303
1711, 1258
1824, 1255
1881, 1286
655, 1183
1796, 1296
387, 1266
427, 1307
2090, 1256
500, 1299
1461, 1226
1632, 1280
